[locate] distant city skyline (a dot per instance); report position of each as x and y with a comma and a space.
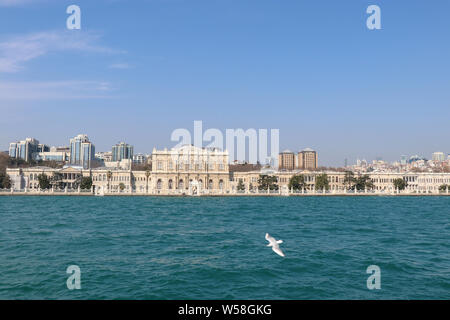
136, 72
126, 149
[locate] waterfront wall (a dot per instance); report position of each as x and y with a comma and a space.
217, 193
179, 181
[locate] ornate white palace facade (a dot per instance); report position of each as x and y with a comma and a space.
199, 171
186, 170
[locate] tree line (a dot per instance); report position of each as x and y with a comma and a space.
56, 181
298, 182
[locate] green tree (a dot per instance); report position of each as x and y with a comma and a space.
77, 181
267, 182
399, 184
147, 175
86, 183
5, 181
44, 181
444, 187
297, 182
349, 180
121, 186
56, 180
109, 175
322, 182
363, 182
240, 185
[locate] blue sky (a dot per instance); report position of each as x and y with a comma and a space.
139, 69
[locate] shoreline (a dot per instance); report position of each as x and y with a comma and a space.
75, 194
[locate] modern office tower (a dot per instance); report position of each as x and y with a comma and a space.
307, 159
286, 160
52, 156
13, 150
438, 156
82, 151
403, 160
139, 158
58, 154
24, 149
122, 151
43, 148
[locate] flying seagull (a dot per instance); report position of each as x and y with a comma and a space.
274, 244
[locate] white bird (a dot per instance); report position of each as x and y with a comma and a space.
274, 244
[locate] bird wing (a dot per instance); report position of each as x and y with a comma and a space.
278, 251
270, 239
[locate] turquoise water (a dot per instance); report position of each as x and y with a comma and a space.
214, 248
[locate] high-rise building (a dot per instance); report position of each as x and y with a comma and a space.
82, 151
307, 159
403, 160
139, 158
438, 156
286, 160
13, 150
43, 148
122, 151
58, 154
24, 149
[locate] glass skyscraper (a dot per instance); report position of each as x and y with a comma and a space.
82, 151
122, 151
24, 149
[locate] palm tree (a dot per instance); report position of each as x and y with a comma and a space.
349, 179
147, 175
109, 175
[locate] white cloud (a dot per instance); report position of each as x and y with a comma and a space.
11, 3
54, 90
120, 66
16, 51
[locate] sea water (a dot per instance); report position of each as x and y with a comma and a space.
214, 247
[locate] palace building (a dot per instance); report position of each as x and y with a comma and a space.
186, 170
202, 171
